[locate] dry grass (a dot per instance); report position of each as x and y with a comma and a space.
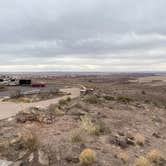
63, 102
123, 156
139, 139
124, 99
92, 99
154, 155
29, 139
96, 128
88, 126
87, 157
77, 136
142, 161
54, 109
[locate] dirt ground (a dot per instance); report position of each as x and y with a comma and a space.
120, 121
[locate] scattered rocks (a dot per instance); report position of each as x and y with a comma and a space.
122, 140
36, 114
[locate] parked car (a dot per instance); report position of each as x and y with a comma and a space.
37, 85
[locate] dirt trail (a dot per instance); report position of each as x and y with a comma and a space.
8, 109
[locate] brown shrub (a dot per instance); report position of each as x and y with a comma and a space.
123, 156
139, 139
142, 161
87, 157
154, 155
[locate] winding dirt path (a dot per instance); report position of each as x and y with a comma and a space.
8, 109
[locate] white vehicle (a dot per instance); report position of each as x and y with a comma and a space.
10, 82
4, 82
13, 82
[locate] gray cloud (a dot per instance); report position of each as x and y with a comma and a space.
48, 35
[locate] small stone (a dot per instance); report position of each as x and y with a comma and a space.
5, 163
43, 158
31, 157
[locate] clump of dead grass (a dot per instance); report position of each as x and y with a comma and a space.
142, 161
88, 126
87, 157
64, 102
92, 99
139, 139
123, 156
77, 136
124, 99
94, 128
29, 139
56, 110
154, 156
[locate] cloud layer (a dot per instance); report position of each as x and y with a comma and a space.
82, 35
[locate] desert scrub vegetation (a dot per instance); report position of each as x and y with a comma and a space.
94, 128
29, 139
19, 145
109, 98
154, 156
92, 99
139, 139
124, 99
64, 101
87, 157
123, 156
77, 136
142, 161
55, 110
88, 126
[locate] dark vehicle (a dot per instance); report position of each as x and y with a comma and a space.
24, 82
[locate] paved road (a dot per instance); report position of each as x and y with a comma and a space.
8, 109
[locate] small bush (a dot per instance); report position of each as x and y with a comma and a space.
88, 126
108, 98
62, 102
154, 156
96, 128
139, 139
142, 161
102, 127
123, 156
29, 139
68, 99
124, 99
87, 157
77, 136
92, 99
56, 110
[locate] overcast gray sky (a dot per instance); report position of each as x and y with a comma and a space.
83, 35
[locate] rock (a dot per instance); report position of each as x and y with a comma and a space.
17, 163
157, 135
31, 157
119, 141
43, 158
5, 163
